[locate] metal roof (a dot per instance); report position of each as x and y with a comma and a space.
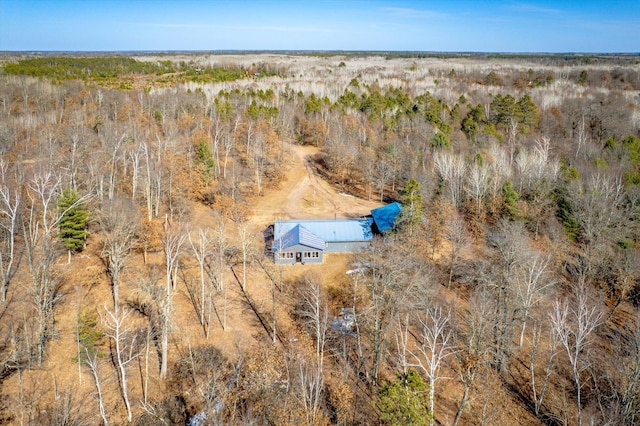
330, 231
298, 235
385, 216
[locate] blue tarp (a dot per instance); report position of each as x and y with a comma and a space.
385, 216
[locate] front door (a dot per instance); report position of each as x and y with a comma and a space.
298, 256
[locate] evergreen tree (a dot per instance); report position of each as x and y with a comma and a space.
204, 159
73, 220
511, 197
440, 140
403, 401
411, 200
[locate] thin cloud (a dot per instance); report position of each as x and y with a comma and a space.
608, 26
406, 12
240, 27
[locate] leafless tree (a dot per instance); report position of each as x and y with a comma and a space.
39, 227
315, 313
383, 174
244, 234
124, 348
153, 176
625, 382
451, 168
135, 156
597, 206
202, 248
458, 236
310, 386
433, 345
10, 203
173, 240
574, 320
535, 165
221, 243
473, 346
582, 135
510, 243
531, 284
91, 360
477, 184
119, 224
390, 279
539, 390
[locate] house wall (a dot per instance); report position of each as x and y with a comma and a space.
290, 255
280, 257
346, 246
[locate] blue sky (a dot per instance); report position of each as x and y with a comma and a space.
476, 26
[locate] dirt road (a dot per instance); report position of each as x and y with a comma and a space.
305, 195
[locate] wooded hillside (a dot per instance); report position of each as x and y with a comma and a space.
135, 196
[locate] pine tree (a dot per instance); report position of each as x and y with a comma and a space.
204, 159
511, 197
403, 401
411, 200
73, 221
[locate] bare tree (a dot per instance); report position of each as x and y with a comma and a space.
124, 347
573, 323
390, 278
538, 390
315, 313
625, 381
244, 234
152, 177
119, 223
531, 284
172, 241
474, 344
91, 360
202, 248
10, 201
434, 344
310, 385
510, 243
39, 238
221, 243
477, 184
451, 169
597, 208
458, 236
135, 155
383, 174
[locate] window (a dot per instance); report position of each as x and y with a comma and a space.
284, 255
311, 254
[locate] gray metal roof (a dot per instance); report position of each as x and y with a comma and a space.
330, 231
298, 235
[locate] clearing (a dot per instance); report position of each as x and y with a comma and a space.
305, 195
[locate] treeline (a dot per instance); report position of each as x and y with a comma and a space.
111, 68
69, 68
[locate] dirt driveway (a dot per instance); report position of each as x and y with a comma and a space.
305, 195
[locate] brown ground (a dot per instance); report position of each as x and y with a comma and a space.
302, 195
305, 195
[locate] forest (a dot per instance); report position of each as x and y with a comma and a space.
136, 284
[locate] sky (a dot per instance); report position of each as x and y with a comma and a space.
380, 25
